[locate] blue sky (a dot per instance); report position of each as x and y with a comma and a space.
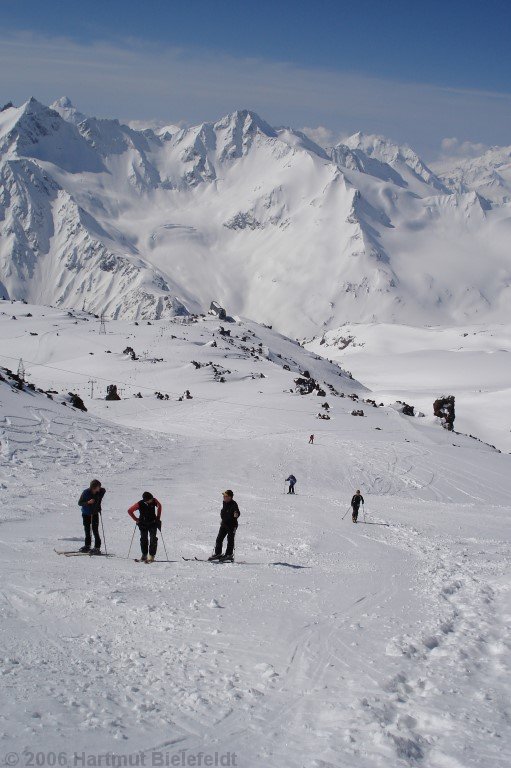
417, 71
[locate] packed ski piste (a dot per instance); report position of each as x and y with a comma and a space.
322, 592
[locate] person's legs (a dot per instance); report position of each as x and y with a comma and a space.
354, 515
229, 552
95, 530
292, 488
86, 528
153, 541
144, 544
222, 533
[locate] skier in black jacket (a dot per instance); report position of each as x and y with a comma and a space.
149, 522
292, 482
90, 502
355, 505
229, 522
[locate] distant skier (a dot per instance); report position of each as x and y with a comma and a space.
90, 502
355, 505
292, 482
149, 522
311, 440
229, 523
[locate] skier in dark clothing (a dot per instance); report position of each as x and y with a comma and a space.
229, 523
292, 482
90, 502
311, 440
355, 505
149, 522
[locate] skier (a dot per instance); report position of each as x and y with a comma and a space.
292, 482
90, 502
148, 521
355, 504
229, 523
311, 440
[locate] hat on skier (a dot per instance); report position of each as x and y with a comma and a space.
228, 493
147, 496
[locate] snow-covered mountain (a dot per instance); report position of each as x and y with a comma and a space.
150, 223
489, 174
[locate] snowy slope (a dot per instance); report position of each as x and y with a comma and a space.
381, 644
417, 365
146, 223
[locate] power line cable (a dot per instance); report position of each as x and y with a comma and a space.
151, 389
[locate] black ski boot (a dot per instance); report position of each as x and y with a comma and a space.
226, 559
84, 549
215, 557
95, 551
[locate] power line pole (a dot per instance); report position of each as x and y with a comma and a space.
21, 371
102, 327
92, 382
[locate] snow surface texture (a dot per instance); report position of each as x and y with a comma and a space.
417, 365
147, 224
378, 645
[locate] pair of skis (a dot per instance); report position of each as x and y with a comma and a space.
207, 560
78, 553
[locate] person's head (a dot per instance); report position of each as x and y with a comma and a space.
228, 495
147, 496
357, 491
95, 485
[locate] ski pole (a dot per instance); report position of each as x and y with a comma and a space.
131, 542
103, 529
346, 513
164, 547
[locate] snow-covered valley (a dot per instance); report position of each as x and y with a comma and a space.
326, 644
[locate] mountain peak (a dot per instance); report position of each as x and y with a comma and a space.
67, 110
246, 120
398, 156
20, 121
33, 107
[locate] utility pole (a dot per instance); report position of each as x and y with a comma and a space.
92, 382
21, 371
102, 327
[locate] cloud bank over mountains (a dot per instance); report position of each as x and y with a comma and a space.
174, 85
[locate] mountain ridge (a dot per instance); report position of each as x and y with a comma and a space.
260, 218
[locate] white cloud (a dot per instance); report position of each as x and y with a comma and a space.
155, 125
137, 81
323, 136
454, 148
